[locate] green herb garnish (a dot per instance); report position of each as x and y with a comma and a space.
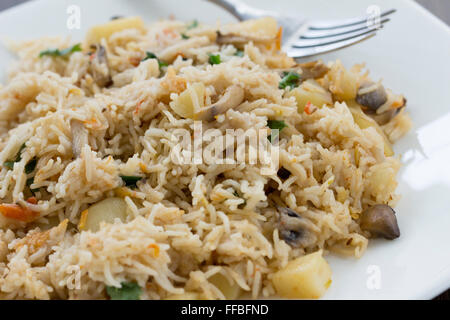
131, 181
128, 291
60, 53
151, 55
290, 79
214, 59
10, 164
193, 25
278, 125
239, 53
184, 36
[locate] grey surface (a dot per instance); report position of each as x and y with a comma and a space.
441, 8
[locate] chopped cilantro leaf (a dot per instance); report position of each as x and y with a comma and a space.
151, 55
290, 79
10, 164
60, 53
214, 59
128, 291
277, 125
193, 25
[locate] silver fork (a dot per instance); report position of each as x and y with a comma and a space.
305, 38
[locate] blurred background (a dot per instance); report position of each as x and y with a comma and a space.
440, 8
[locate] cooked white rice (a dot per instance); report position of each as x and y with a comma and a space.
184, 223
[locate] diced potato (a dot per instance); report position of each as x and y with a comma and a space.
96, 33
184, 296
307, 277
107, 211
313, 92
343, 83
364, 121
189, 101
382, 179
230, 290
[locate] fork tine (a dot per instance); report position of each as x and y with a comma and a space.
317, 34
335, 24
307, 43
311, 51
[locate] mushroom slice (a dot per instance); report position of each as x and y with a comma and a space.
372, 96
79, 136
294, 229
99, 67
239, 40
380, 221
309, 70
380, 104
387, 116
232, 98
313, 70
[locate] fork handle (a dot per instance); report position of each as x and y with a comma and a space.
238, 9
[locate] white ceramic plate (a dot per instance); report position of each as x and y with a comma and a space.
411, 55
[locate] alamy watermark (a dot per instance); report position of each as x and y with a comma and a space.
74, 18
374, 277
73, 282
259, 147
373, 20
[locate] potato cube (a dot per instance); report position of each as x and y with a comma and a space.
190, 101
307, 277
311, 92
96, 33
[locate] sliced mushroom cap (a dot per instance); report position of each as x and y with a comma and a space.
372, 96
385, 117
239, 40
380, 221
313, 70
294, 229
232, 98
309, 70
99, 67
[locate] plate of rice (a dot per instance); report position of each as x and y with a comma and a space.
156, 151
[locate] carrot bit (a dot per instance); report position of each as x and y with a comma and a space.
138, 107
310, 108
169, 32
32, 200
134, 61
143, 167
181, 54
16, 212
278, 38
155, 248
